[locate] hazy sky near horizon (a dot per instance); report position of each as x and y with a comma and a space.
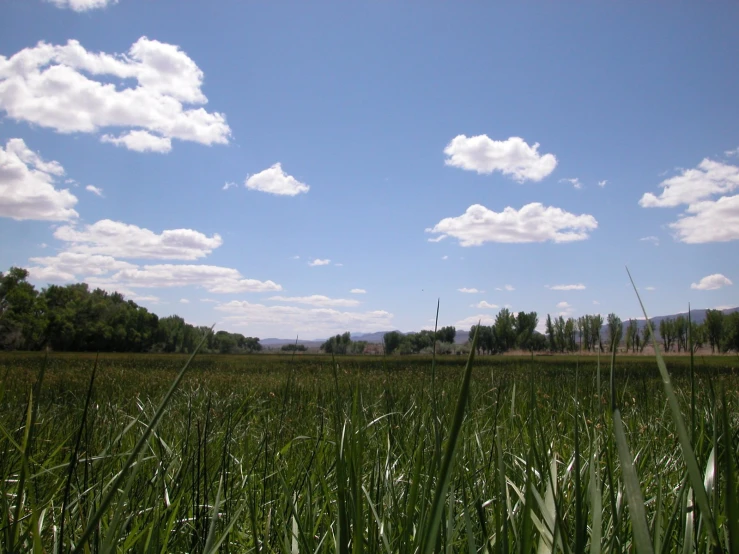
308, 168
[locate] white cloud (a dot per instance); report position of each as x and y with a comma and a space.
229, 185
82, 5
602, 183
565, 309
339, 265
469, 291
596, 303
511, 157
468, 322
724, 307
212, 278
110, 274
692, 185
318, 262
650, 288
95, 190
445, 257
358, 291
140, 141
532, 223
123, 240
654, 240
184, 301
734, 152
316, 322
485, 305
437, 239
575, 182
709, 221
27, 188
712, 282
579, 286
68, 89
509, 288
211, 300
275, 181
317, 300
69, 266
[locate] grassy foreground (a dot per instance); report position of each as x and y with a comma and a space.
274, 454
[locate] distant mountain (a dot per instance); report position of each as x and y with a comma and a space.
462, 335
281, 342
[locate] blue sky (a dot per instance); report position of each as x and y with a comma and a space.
253, 163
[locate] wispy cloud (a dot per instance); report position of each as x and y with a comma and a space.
654, 240
470, 290
579, 286
95, 190
318, 262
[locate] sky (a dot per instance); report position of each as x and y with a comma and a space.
309, 168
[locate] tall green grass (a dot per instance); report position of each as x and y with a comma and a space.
406, 455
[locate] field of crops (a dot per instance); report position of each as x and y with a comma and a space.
270, 453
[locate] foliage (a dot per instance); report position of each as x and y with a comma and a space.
263, 454
75, 318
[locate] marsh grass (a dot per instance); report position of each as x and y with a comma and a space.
313, 454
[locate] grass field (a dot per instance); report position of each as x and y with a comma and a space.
269, 453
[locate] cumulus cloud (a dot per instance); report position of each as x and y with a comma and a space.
140, 141
532, 223
229, 185
68, 266
212, 278
317, 300
485, 305
275, 181
712, 282
318, 262
511, 157
82, 5
317, 322
69, 89
27, 189
578, 286
95, 190
184, 301
602, 183
110, 274
467, 322
358, 291
709, 221
123, 240
575, 182
469, 291
692, 185
565, 309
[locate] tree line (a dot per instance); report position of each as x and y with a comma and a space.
76, 319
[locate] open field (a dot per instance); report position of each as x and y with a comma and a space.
273, 453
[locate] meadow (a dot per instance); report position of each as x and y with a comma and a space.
309, 453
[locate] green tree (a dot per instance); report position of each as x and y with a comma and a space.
615, 331
446, 334
392, 341
524, 327
714, 328
731, 332
550, 333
